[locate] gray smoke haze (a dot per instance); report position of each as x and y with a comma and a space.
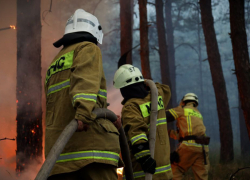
53, 25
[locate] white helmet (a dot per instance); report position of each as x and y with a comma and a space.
190, 97
127, 75
82, 21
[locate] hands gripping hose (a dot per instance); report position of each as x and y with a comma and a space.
67, 133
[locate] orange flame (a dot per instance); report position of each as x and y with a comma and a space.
119, 171
12, 27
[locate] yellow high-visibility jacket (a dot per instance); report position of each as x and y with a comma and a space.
75, 85
136, 120
189, 123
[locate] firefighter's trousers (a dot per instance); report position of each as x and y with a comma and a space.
93, 171
191, 156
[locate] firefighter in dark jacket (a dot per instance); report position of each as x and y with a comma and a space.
193, 149
75, 85
136, 120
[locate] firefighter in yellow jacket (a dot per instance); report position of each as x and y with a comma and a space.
193, 149
75, 85
136, 120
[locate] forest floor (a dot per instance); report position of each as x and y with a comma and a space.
219, 171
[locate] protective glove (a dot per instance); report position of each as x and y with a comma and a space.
148, 164
174, 157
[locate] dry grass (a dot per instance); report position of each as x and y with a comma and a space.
224, 171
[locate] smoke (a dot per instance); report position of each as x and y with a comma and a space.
52, 29
8, 173
115, 98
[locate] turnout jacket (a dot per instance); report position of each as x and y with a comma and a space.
75, 85
136, 120
189, 123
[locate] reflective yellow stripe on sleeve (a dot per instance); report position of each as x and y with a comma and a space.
88, 97
158, 170
160, 121
138, 137
58, 87
192, 144
102, 93
74, 156
173, 113
142, 154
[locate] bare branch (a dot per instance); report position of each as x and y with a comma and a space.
155, 48
105, 34
233, 175
151, 3
50, 6
187, 44
135, 15
2, 29
46, 12
179, 12
7, 139
96, 6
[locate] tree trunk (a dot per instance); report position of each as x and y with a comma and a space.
164, 61
28, 89
226, 135
171, 50
144, 40
126, 19
241, 56
163, 51
244, 141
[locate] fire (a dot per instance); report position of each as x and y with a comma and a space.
33, 131
12, 27
16, 101
119, 171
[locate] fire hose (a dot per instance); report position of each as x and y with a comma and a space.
153, 120
67, 133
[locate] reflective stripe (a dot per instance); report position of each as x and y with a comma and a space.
160, 121
89, 97
158, 170
193, 144
81, 20
138, 137
62, 63
58, 87
146, 107
173, 113
189, 124
142, 154
191, 112
105, 155
102, 93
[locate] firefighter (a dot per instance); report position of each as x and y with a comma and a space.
136, 120
193, 149
75, 85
